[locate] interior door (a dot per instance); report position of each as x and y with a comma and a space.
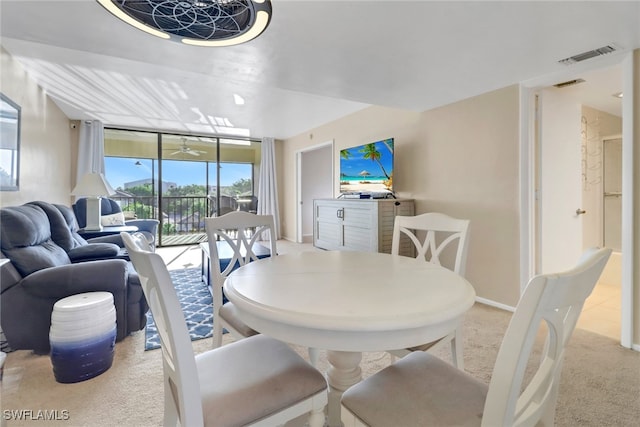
560, 193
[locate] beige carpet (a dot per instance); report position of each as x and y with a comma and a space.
600, 382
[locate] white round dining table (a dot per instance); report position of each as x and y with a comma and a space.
349, 302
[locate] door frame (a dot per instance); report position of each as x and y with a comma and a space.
299, 178
529, 172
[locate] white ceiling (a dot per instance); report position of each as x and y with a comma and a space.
316, 62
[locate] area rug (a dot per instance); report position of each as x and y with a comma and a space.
196, 303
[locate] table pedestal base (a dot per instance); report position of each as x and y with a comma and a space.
343, 372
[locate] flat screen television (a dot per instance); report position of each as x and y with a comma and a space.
367, 168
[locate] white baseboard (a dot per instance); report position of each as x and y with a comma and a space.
496, 304
635, 347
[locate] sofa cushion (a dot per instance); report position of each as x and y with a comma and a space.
26, 239
60, 227
114, 219
72, 224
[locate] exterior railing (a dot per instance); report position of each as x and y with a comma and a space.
181, 216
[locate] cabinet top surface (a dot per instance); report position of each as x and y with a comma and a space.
363, 200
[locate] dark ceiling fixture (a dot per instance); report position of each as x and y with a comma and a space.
604, 50
195, 22
569, 83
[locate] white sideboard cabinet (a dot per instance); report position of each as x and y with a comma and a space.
357, 224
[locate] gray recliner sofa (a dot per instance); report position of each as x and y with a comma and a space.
64, 233
148, 227
41, 272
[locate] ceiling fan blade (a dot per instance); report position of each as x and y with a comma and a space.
175, 152
192, 152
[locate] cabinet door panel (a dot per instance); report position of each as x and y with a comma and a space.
360, 216
328, 234
328, 213
358, 238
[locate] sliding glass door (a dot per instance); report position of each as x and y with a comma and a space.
180, 179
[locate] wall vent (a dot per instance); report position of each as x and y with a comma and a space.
588, 55
568, 83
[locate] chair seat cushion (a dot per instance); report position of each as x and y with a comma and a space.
447, 396
229, 314
235, 395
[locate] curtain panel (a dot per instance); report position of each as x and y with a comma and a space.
268, 186
90, 148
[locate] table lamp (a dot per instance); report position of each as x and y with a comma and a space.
93, 186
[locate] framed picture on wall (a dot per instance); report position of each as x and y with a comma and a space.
9, 144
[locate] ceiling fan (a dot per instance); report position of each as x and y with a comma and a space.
185, 149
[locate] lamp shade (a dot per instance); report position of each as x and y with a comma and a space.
93, 185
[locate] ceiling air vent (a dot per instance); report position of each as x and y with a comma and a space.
568, 83
588, 55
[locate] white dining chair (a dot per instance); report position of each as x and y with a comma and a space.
241, 233
257, 381
421, 389
435, 237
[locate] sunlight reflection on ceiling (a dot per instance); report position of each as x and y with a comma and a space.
124, 99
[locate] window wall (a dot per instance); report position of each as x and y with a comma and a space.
180, 179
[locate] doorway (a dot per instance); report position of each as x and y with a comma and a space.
314, 180
534, 167
601, 313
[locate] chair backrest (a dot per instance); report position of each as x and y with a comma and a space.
182, 397
241, 231
25, 238
441, 232
64, 228
227, 204
250, 204
553, 301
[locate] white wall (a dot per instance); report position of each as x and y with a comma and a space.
460, 159
317, 183
47, 160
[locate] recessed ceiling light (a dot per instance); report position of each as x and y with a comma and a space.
238, 99
617, 95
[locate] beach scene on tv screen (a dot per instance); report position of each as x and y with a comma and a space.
367, 167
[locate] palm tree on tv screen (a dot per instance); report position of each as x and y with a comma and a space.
370, 152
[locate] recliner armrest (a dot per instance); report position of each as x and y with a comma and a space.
93, 251
113, 238
144, 224
62, 281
